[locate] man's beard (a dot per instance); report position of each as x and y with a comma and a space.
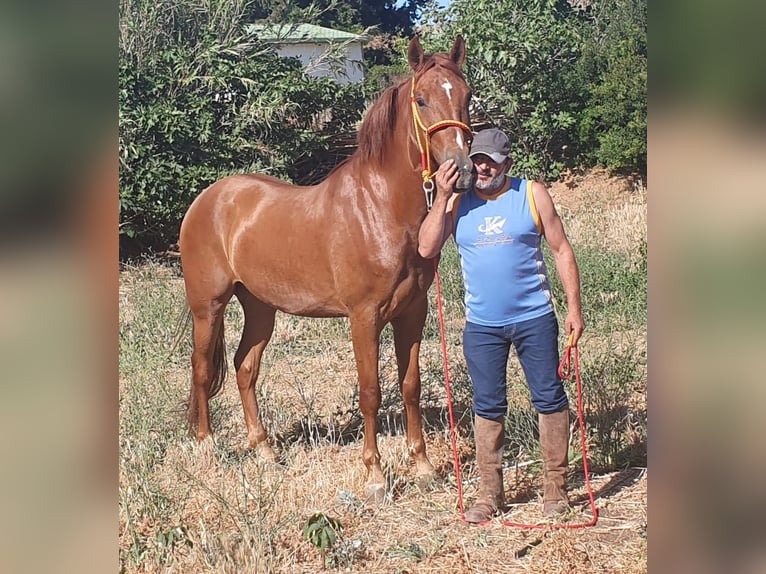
491, 185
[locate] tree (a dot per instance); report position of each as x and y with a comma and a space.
518, 54
387, 17
612, 125
565, 78
198, 101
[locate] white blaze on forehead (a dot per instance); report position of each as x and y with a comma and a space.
459, 139
447, 88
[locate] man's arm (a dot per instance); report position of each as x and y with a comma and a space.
437, 226
563, 255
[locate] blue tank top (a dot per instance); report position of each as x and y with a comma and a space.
500, 246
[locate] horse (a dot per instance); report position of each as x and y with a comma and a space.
346, 247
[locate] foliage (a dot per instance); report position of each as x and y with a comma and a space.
566, 79
516, 67
198, 101
616, 286
394, 18
383, 23
322, 531
611, 378
612, 126
386, 58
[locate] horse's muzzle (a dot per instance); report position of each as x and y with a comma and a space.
465, 180
466, 177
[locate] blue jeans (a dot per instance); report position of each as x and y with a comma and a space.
486, 352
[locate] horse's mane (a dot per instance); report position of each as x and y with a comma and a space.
379, 122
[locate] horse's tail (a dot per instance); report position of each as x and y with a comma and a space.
182, 325
220, 369
219, 365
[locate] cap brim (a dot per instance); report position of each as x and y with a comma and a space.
496, 157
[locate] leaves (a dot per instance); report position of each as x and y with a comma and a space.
322, 530
566, 80
199, 101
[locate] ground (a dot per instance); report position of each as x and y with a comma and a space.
214, 507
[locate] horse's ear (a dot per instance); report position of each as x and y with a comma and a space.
457, 54
415, 53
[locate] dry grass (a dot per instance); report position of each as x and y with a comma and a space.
215, 507
603, 211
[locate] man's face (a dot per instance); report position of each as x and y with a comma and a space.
489, 174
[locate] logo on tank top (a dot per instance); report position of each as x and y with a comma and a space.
493, 225
492, 228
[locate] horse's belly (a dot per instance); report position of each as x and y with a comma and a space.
308, 307
304, 273
296, 295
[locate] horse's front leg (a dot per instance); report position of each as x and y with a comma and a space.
408, 333
365, 333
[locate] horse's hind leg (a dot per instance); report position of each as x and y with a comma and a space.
408, 333
208, 364
259, 325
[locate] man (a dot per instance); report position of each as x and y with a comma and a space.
498, 227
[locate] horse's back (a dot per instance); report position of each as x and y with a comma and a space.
221, 204
304, 250
261, 232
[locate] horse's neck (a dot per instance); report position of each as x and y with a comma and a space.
411, 155
394, 184
406, 144
399, 163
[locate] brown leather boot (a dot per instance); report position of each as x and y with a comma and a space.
554, 440
490, 440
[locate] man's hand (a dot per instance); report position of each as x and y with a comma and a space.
446, 178
574, 325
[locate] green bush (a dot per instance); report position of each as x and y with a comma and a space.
199, 101
613, 70
566, 80
613, 285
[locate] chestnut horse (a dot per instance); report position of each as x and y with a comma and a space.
346, 247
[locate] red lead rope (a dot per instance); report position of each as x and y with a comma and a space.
571, 354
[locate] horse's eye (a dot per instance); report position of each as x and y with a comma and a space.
421, 102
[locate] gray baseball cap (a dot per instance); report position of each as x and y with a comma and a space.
491, 142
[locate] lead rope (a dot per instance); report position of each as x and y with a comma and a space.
452, 427
565, 372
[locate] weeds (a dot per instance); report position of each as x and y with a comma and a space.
322, 531
215, 507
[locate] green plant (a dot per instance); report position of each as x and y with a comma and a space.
407, 550
517, 65
613, 72
200, 99
616, 426
613, 286
322, 531
173, 536
566, 79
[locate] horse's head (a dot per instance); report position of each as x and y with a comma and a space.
440, 97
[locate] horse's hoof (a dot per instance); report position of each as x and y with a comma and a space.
375, 493
426, 482
205, 444
265, 453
